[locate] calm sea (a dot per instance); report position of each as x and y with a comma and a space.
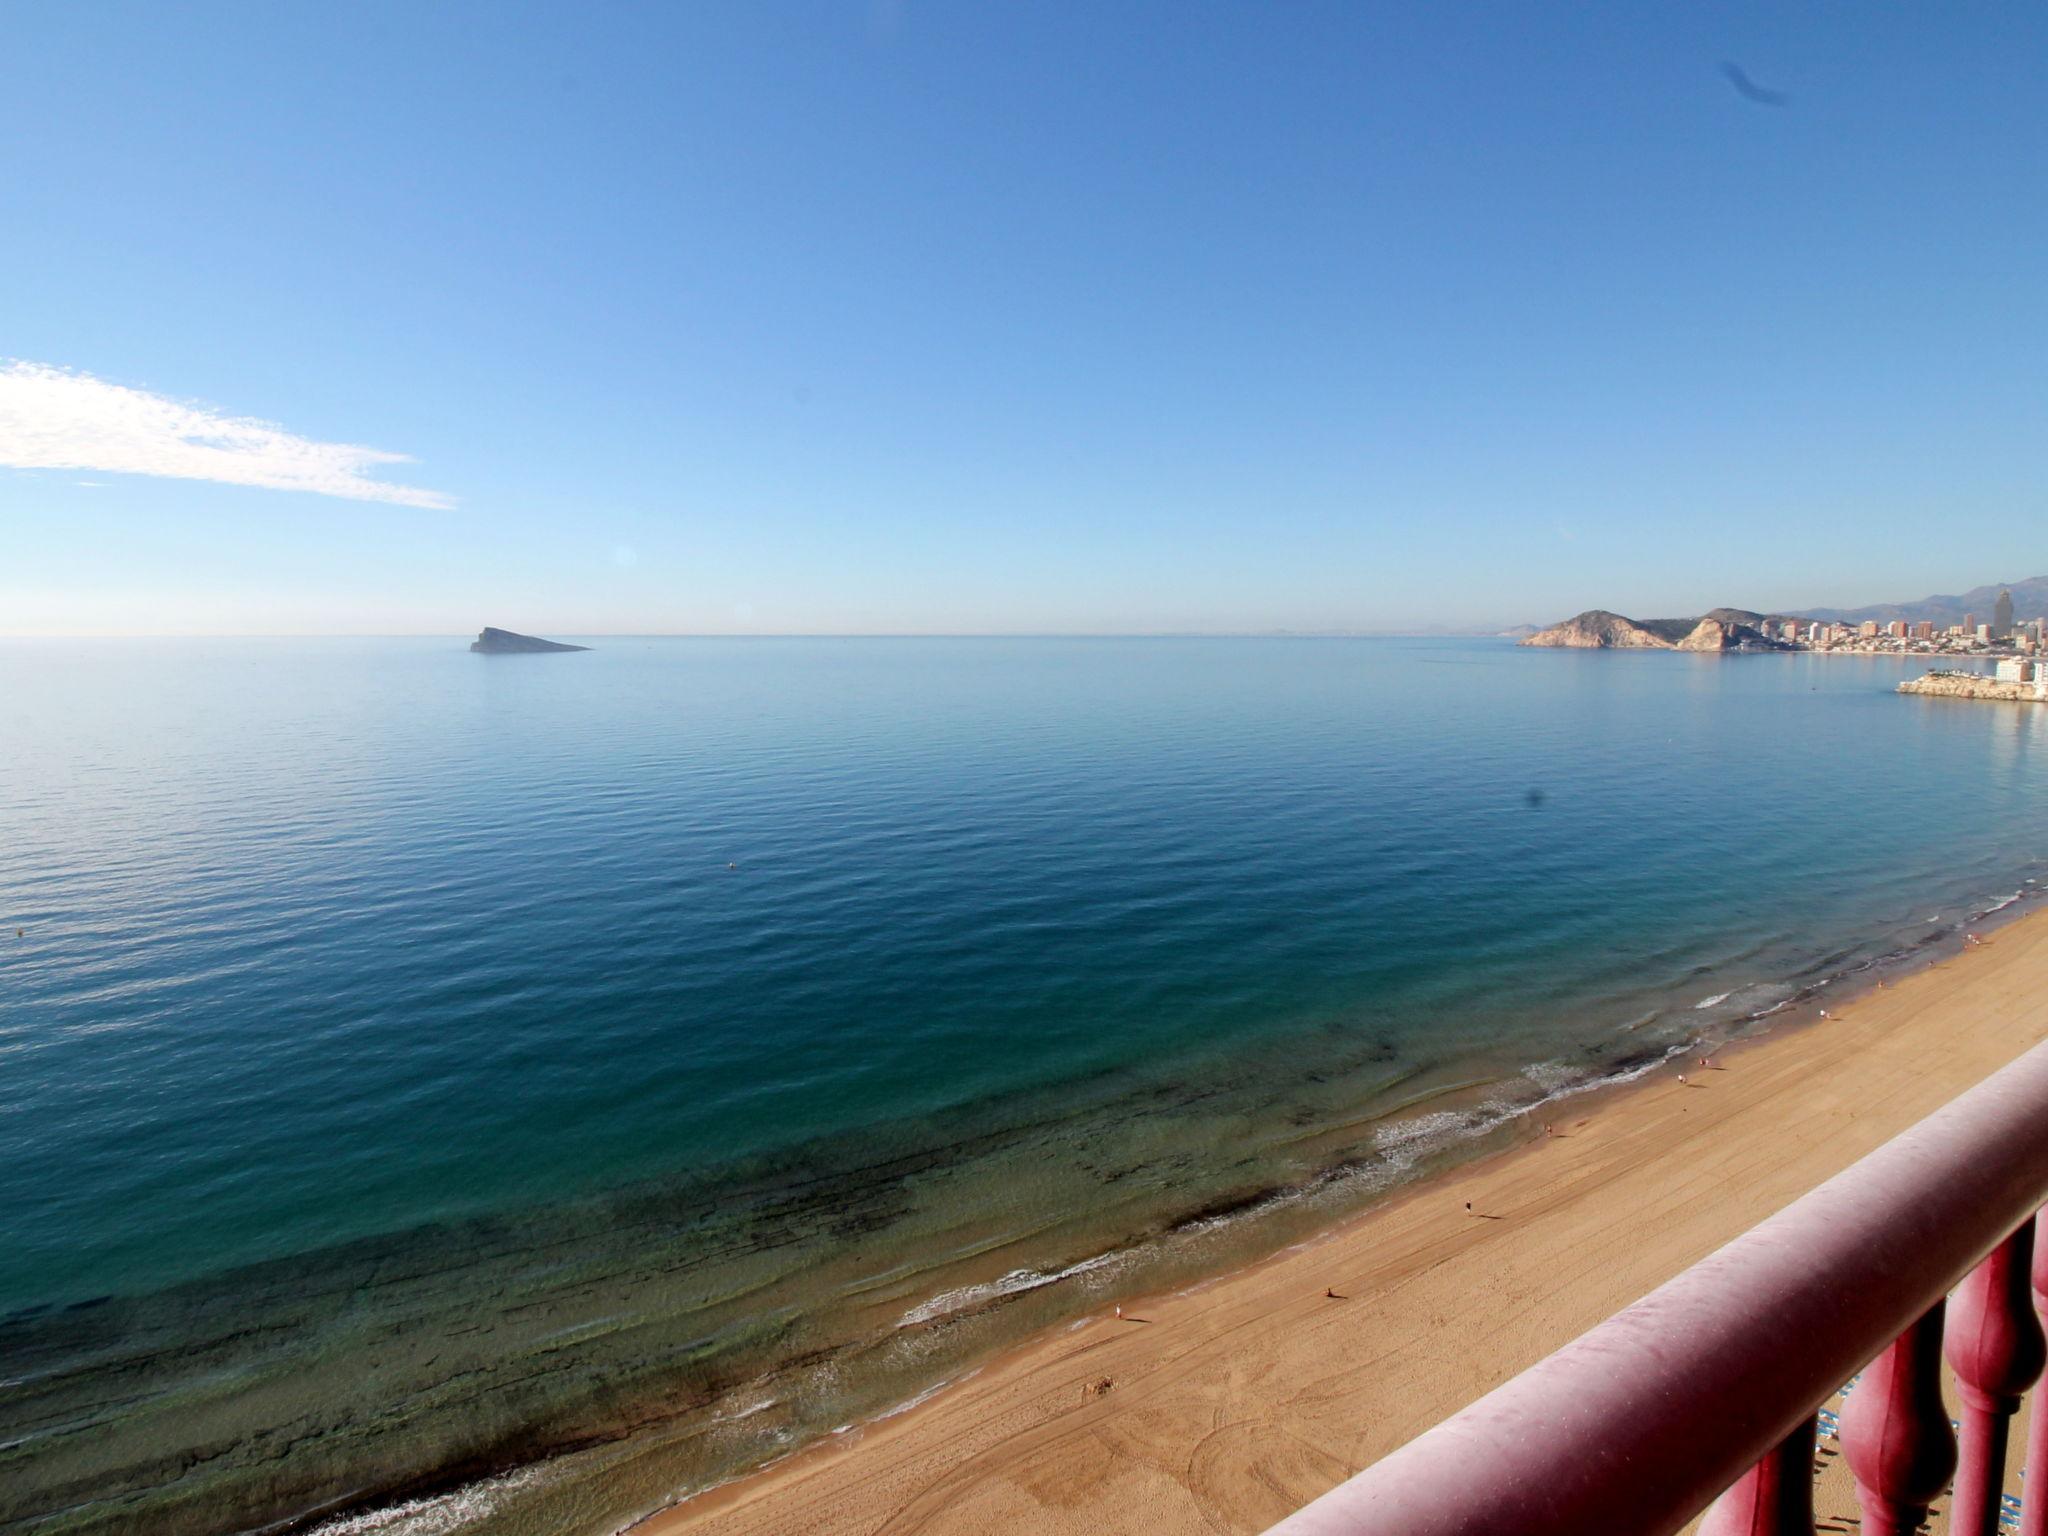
526, 1089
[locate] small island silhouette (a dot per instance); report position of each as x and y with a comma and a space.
503, 642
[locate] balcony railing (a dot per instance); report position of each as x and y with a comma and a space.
1707, 1390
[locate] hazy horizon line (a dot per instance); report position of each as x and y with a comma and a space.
1473, 633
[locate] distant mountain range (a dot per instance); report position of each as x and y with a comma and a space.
2029, 600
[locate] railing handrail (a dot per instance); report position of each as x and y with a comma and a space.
1639, 1423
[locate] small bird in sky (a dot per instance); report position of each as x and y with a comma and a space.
1750, 90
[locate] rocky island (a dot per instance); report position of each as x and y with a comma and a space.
503, 642
1721, 629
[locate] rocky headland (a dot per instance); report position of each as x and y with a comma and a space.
1722, 629
503, 642
1973, 685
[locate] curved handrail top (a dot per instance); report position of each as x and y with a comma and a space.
1641, 1421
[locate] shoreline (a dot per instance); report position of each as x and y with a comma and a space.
1276, 1220
1452, 1125
1043, 1419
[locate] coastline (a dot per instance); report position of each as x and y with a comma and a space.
1235, 1076
1245, 1395
615, 1472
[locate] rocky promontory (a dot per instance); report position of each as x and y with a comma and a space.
1598, 630
1974, 685
503, 642
1722, 629
1730, 629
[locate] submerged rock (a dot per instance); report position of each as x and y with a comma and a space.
503, 642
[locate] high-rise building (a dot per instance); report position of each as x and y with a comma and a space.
1969, 623
2001, 617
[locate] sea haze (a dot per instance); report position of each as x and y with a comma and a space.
527, 1088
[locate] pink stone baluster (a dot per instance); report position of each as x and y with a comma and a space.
1895, 1431
1775, 1497
1994, 1345
2034, 1498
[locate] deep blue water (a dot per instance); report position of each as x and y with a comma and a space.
768, 993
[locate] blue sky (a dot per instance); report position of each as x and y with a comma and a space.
910, 318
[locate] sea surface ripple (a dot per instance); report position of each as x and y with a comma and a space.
506, 1092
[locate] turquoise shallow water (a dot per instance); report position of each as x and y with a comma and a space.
533, 1087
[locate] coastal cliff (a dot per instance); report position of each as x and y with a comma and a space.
1597, 629
1973, 685
1722, 629
503, 642
1730, 630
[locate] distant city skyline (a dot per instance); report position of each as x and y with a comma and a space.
889, 318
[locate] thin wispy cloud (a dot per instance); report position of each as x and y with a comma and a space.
54, 418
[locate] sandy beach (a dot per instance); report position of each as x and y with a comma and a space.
1221, 1408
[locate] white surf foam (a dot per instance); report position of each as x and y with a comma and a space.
439, 1515
1014, 1283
